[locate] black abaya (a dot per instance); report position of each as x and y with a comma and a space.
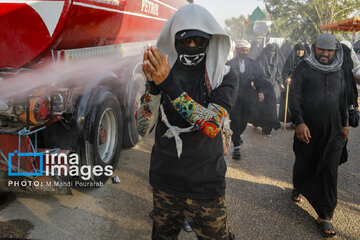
318, 99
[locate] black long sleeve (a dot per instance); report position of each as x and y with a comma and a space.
343, 105
287, 69
295, 97
258, 79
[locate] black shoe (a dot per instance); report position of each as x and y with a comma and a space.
236, 154
266, 133
187, 226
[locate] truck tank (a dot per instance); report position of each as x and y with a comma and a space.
29, 29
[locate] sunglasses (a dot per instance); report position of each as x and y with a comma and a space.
199, 41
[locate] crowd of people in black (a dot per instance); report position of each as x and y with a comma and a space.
192, 90
315, 89
268, 70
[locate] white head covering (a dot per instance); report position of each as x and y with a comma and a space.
243, 44
195, 17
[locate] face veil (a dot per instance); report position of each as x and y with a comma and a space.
190, 56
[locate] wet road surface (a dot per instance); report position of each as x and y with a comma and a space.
258, 195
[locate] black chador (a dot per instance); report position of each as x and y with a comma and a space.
264, 114
271, 63
297, 54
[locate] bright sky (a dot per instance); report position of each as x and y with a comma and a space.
226, 9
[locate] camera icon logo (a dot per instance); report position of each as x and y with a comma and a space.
16, 154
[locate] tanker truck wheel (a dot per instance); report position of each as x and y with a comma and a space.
103, 132
135, 89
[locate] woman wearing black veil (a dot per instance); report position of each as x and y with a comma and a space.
265, 113
297, 54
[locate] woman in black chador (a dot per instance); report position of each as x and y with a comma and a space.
264, 114
297, 54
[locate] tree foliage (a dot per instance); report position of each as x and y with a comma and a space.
301, 19
235, 26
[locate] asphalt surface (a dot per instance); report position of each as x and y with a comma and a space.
258, 196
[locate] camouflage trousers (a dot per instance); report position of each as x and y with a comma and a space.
207, 218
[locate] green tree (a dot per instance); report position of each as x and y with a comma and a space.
301, 19
235, 26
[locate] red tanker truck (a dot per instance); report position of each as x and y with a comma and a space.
92, 115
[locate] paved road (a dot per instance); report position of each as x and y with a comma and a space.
258, 194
